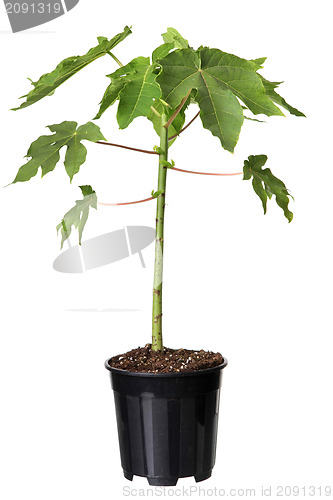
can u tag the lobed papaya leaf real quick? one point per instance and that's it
(45, 151)
(265, 184)
(48, 83)
(77, 216)
(221, 80)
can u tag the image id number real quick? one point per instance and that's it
(33, 8)
(311, 491)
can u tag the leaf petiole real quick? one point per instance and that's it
(116, 59)
(154, 110)
(173, 116)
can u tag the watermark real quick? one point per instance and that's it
(200, 491)
(162, 491)
(105, 249)
(28, 14)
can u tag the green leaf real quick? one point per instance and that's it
(270, 91)
(265, 184)
(167, 164)
(136, 88)
(158, 150)
(162, 51)
(177, 123)
(172, 36)
(259, 62)
(111, 94)
(253, 119)
(77, 216)
(156, 194)
(227, 71)
(182, 72)
(139, 91)
(44, 152)
(220, 79)
(47, 83)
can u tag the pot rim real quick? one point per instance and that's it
(170, 374)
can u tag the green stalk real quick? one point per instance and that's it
(157, 340)
(116, 59)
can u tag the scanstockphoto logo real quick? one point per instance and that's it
(24, 15)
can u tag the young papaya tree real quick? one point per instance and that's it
(226, 88)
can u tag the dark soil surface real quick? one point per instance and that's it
(143, 359)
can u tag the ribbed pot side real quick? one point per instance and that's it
(167, 423)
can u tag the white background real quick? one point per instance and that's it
(254, 287)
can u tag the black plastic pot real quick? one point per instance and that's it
(167, 423)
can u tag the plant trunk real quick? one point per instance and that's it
(157, 340)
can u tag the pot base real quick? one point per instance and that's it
(168, 481)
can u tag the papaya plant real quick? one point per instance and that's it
(226, 88)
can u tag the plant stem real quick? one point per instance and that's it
(157, 340)
(115, 59)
